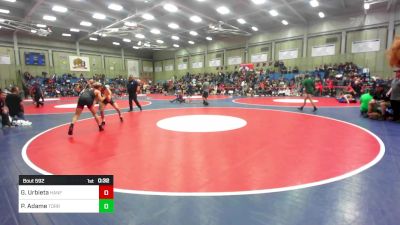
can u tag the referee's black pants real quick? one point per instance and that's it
(134, 98)
(396, 109)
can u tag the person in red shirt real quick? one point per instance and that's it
(329, 83)
(318, 87)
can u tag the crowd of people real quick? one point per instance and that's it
(382, 101)
(345, 81)
(66, 84)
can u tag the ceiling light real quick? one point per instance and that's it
(103, 35)
(321, 14)
(140, 36)
(176, 38)
(148, 16)
(130, 24)
(284, 22)
(366, 6)
(10, 0)
(115, 7)
(93, 39)
(201, 0)
(155, 31)
(209, 38)
(139, 43)
(66, 35)
(241, 21)
(146, 44)
(314, 3)
(176, 46)
(74, 30)
(126, 40)
(254, 28)
(170, 7)
(193, 33)
(135, 47)
(41, 25)
(59, 8)
(223, 10)
(258, 2)
(0, 27)
(173, 26)
(99, 16)
(191, 42)
(160, 41)
(34, 31)
(2, 20)
(86, 23)
(116, 43)
(50, 18)
(114, 29)
(6, 11)
(273, 12)
(195, 19)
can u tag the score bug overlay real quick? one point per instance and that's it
(66, 194)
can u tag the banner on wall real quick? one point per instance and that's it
(323, 50)
(234, 60)
(79, 63)
(365, 46)
(288, 54)
(158, 69)
(169, 68)
(197, 65)
(182, 66)
(133, 68)
(5, 59)
(262, 57)
(147, 69)
(214, 62)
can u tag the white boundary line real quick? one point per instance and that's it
(283, 106)
(263, 191)
(61, 113)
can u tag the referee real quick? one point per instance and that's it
(132, 88)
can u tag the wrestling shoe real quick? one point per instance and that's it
(71, 129)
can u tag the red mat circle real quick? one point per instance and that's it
(275, 151)
(269, 101)
(49, 108)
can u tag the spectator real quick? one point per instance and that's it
(15, 104)
(5, 120)
(394, 93)
(364, 101)
(379, 104)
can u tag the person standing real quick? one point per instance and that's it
(86, 98)
(206, 90)
(308, 85)
(394, 93)
(132, 88)
(37, 95)
(107, 94)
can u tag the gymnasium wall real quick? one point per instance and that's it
(340, 31)
(105, 60)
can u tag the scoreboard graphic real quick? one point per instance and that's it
(66, 194)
